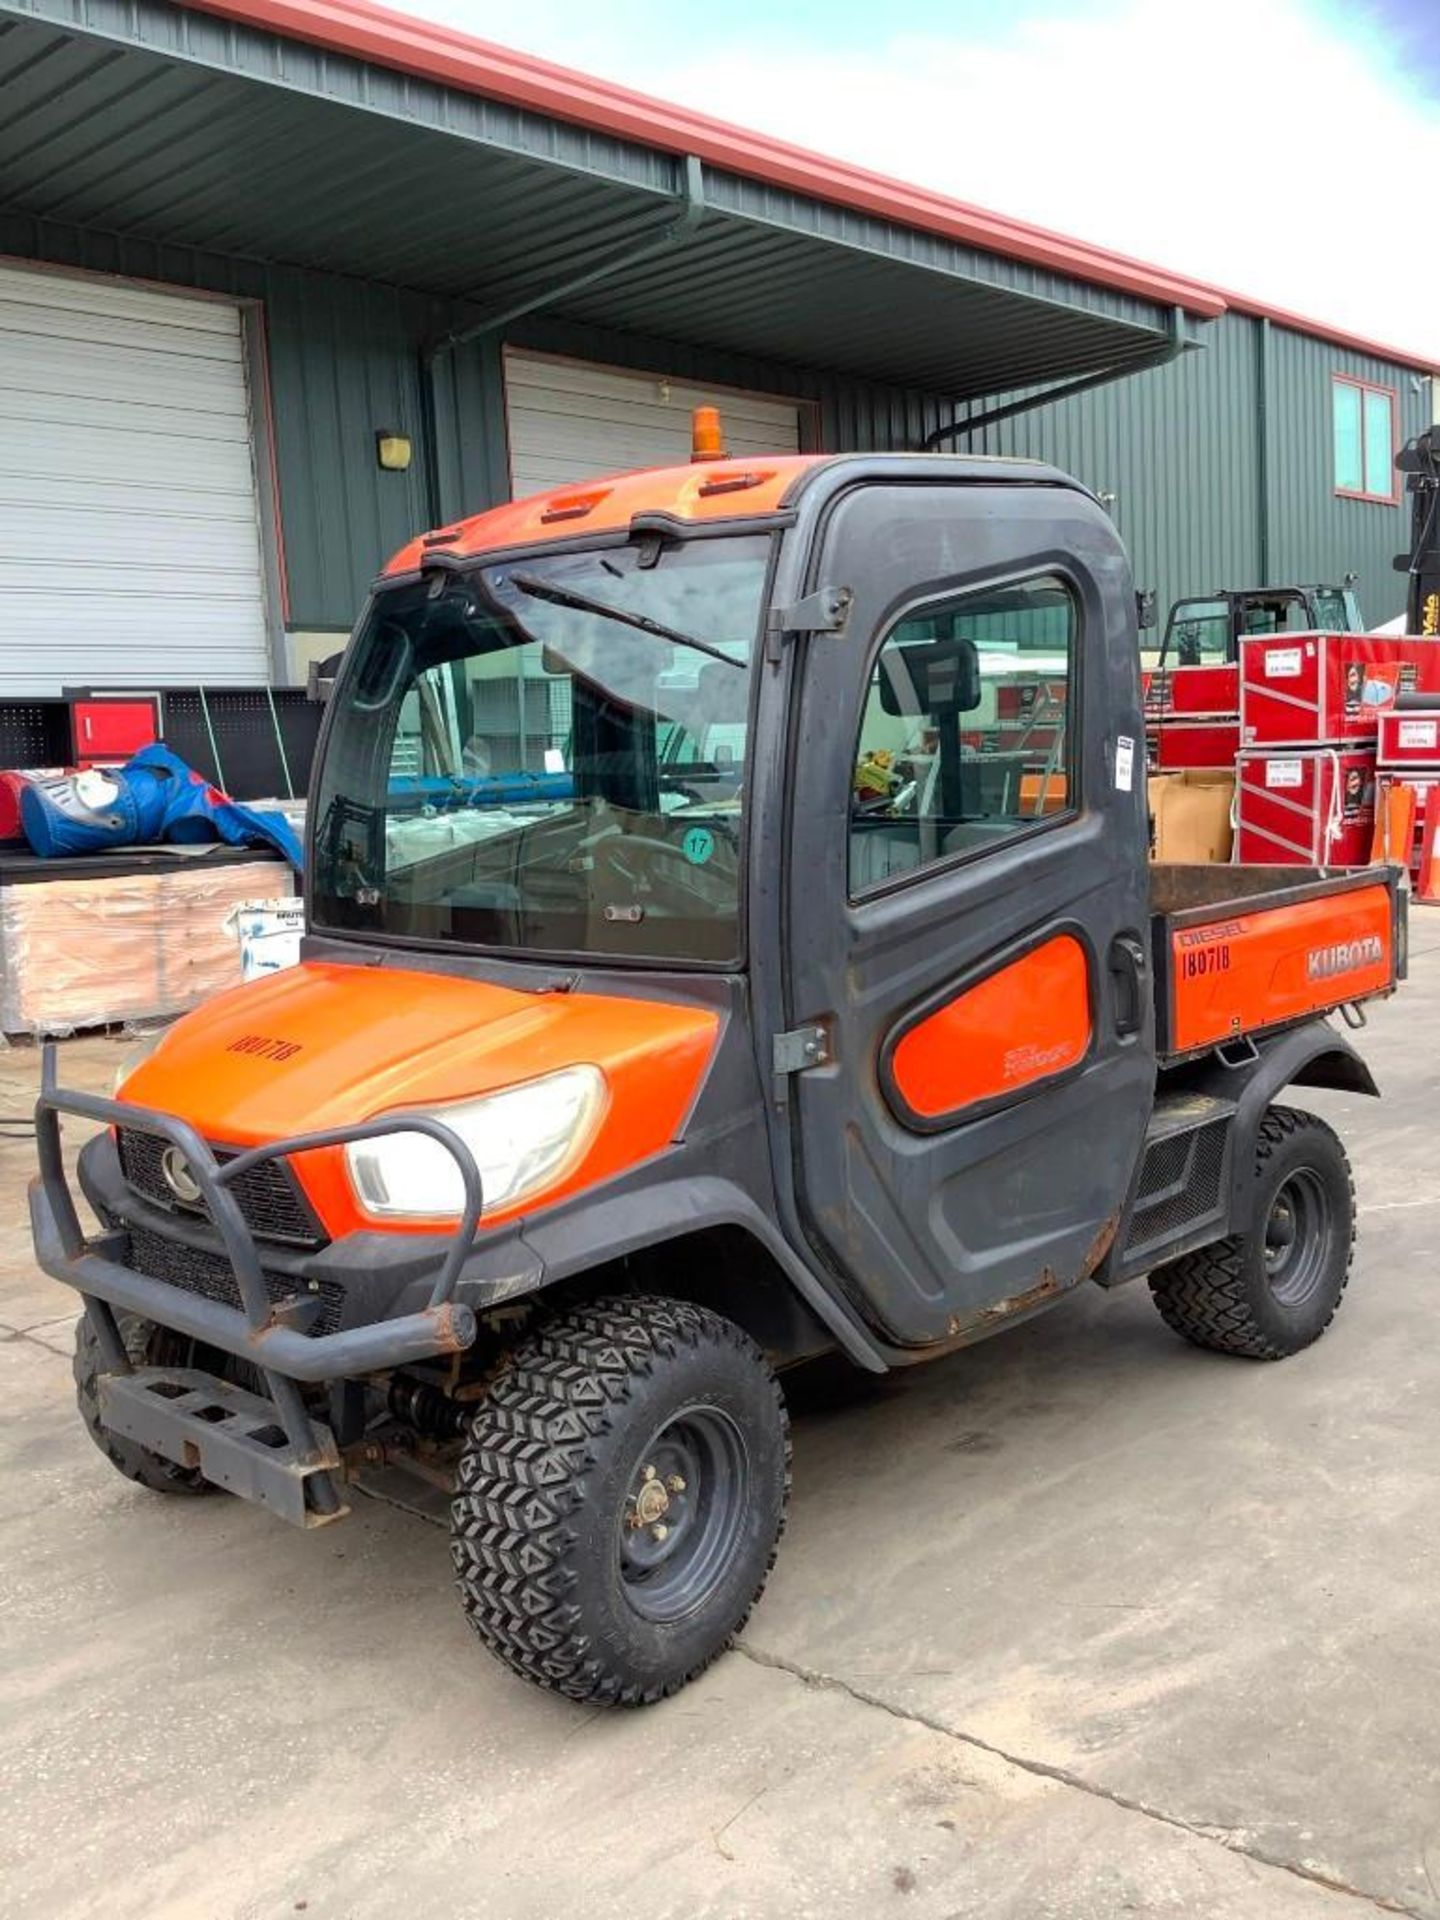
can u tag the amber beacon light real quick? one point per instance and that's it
(707, 438)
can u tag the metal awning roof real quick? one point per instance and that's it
(141, 118)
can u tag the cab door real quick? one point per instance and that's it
(965, 898)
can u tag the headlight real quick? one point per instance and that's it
(134, 1055)
(522, 1138)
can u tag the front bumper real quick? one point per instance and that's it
(299, 1478)
(268, 1333)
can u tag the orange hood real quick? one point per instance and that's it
(324, 1046)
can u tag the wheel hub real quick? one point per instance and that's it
(651, 1502)
(683, 1513)
(1299, 1232)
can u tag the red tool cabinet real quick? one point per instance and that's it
(1190, 745)
(1192, 690)
(1309, 808)
(1306, 689)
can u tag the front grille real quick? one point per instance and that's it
(270, 1199)
(200, 1271)
(1179, 1184)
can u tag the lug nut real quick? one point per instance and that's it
(659, 1531)
(675, 1484)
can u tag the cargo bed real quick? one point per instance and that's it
(1242, 951)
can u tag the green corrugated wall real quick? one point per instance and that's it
(1179, 447)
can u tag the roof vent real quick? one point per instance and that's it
(573, 506)
(734, 482)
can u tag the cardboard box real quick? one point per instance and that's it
(1314, 809)
(1190, 813)
(269, 932)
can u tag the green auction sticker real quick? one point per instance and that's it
(698, 845)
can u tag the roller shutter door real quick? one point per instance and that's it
(130, 546)
(570, 420)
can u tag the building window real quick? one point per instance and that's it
(1364, 419)
(965, 732)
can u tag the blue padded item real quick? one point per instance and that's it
(154, 796)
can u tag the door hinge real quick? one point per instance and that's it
(802, 1047)
(822, 612)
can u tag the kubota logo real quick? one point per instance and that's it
(1323, 963)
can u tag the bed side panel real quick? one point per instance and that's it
(1250, 971)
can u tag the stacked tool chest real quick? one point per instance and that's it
(1311, 709)
(1192, 717)
(1408, 782)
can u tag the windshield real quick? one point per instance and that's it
(548, 756)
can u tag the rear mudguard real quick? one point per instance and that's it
(1314, 1055)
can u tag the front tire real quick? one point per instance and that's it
(620, 1499)
(147, 1346)
(1275, 1290)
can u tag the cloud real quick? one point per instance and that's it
(1261, 144)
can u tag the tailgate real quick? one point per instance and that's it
(1282, 948)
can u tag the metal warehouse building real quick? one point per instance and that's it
(248, 246)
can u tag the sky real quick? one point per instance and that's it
(1284, 149)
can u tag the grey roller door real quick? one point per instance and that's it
(570, 419)
(130, 548)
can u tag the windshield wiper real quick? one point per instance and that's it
(538, 589)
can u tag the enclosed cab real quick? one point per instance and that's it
(730, 940)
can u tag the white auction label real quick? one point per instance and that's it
(1284, 773)
(1419, 733)
(1124, 763)
(1283, 663)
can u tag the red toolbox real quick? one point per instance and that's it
(1315, 808)
(109, 728)
(1192, 690)
(1307, 689)
(1183, 745)
(1409, 739)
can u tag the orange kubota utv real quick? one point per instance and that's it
(730, 939)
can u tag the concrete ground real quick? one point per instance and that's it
(1081, 1622)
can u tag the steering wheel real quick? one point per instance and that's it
(629, 857)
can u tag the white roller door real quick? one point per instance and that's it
(570, 420)
(129, 525)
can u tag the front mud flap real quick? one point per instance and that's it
(233, 1437)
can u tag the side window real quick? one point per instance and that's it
(965, 736)
(1363, 418)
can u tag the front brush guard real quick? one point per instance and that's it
(263, 1332)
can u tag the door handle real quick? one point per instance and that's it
(1129, 980)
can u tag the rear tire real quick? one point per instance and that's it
(147, 1345)
(1275, 1290)
(620, 1499)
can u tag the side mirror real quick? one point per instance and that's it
(938, 678)
(1145, 608)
